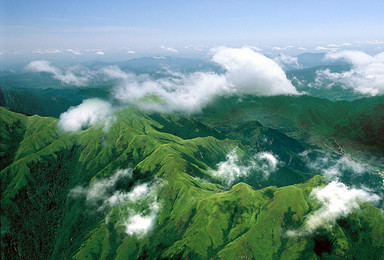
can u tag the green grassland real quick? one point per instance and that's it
(198, 217)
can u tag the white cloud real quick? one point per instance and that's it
(336, 201)
(131, 52)
(182, 92)
(287, 62)
(103, 194)
(282, 48)
(170, 49)
(342, 165)
(100, 53)
(266, 163)
(366, 75)
(49, 51)
(249, 72)
(333, 169)
(76, 52)
(98, 192)
(76, 75)
(90, 112)
(321, 48)
(346, 44)
(140, 224)
(233, 168)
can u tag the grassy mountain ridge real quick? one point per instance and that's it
(344, 126)
(198, 217)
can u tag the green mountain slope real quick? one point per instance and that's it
(92, 194)
(352, 127)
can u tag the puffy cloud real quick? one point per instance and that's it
(366, 75)
(140, 224)
(72, 76)
(90, 112)
(249, 72)
(130, 52)
(336, 201)
(233, 168)
(181, 92)
(100, 53)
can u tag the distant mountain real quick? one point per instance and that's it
(344, 126)
(310, 59)
(151, 65)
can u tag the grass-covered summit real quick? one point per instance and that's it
(152, 186)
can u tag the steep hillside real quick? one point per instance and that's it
(352, 127)
(157, 186)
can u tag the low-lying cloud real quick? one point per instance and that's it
(71, 76)
(287, 62)
(140, 224)
(366, 75)
(104, 195)
(246, 72)
(336, 201)
(333, 169)
(100, 192)
(266, 163)
(233, 168)
(90, 112)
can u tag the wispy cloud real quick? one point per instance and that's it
(76, 75)
(287, 62)
(235, 168)
(246, 72)
(170, 49)
(333, 169)
(336, 201)
(104, 195)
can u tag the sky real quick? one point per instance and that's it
(171, 26)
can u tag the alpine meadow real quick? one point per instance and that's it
(202, 130)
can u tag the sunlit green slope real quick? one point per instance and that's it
(196, 216)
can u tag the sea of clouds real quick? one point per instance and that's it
(246, 72)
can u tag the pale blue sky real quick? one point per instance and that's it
(172, 25)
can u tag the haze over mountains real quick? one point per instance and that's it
(242, 155)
